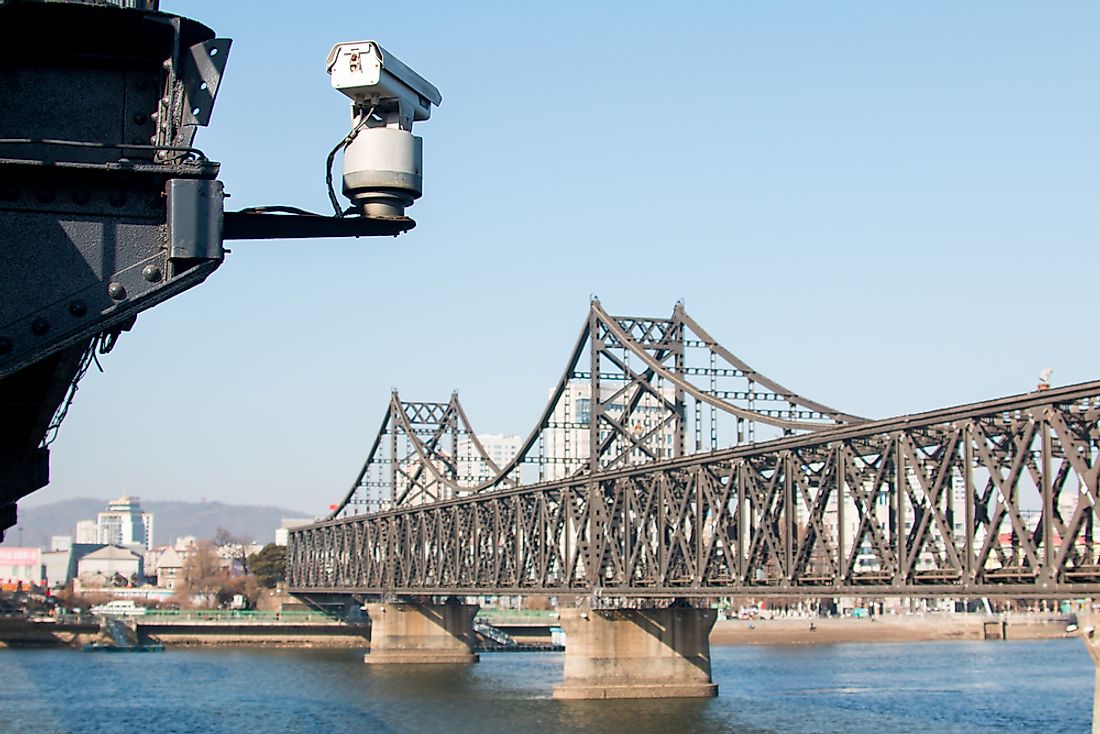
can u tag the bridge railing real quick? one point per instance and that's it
(232, 616)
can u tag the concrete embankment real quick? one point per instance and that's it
(272, 635)
(18, 632)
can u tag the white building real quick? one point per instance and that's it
(60, 566)
(87, 531)
(567, 437)
(101, 567)
(282, 534)
(169, 565)
(882, 509)
(56, 565)
(473, 470)
(124, 523)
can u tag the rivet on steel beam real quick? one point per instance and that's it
(40, 326)
(151, 273)
(116, 291)
(5, 345)
(141, 118)
(78, 308)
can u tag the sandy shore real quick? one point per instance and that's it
(883, 629)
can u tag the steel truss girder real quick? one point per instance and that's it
(991, 499)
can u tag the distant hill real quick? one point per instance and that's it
(170, 520)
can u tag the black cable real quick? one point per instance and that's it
(278, 209)
(332, 157)
(86, 361)
(198, 154)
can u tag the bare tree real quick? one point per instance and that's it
(201, 573)
(238, 545)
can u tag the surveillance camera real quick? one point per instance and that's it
(383, 160)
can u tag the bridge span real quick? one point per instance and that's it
(665, 473)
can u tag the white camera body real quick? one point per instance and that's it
(383, 161)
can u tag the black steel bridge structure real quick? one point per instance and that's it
(664, 467)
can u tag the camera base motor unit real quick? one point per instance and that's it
(383, 160)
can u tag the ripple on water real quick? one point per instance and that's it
(862, 689)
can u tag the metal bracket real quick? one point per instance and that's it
(203, 65)
(248, 225)
(195, 219)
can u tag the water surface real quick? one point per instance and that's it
(1035, 686)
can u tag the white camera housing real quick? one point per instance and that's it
(383, 160)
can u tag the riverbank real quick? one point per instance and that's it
(922, 628)
(800, 631)
(824, 631)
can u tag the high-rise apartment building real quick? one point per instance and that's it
(473, 470)
(124, 523)
(567, 438)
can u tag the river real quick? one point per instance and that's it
(1036, 686)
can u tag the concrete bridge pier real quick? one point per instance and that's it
(637, 653)
(423, 633)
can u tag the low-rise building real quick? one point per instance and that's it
(111, 565)
(60, 566)
(55, 568)
(20, 566)
(168, 567)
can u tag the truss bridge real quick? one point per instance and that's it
(663, 466)
(664, 473)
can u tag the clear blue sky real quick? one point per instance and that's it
(889, 207)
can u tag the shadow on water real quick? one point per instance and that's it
(645, 716)
(437, 682)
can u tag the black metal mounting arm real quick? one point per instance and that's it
(251, 225)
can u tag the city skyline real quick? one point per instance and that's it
(884, 208)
